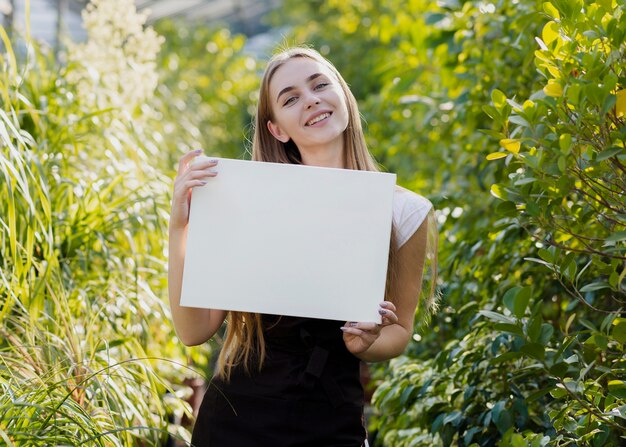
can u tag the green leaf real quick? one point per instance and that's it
(540, 261)
(494, 316)
(546, 333)
(534, 350)
(592, 287)
(546, 255)
(558, 392)
(506, 357)
(510, 328)
(598, 340)
(501, 417)
(518, 440)
(620, 411)
(434, 17)
(519, 120)
(568, 265)
(533, 209)
(516, 300)
(492, 112)
(538, 394)
(616, 237)
(574, 386)
(406, 393)
(525, 181)
(617, 388)
(619, 330)
(507, 208)
(565, 143)
(498, 191)
(610, 152)
(533, 328)
(559, 369)
(452, 418)
(498, 98)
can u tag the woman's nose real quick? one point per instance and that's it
(312, 100)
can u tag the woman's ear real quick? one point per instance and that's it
(277, 132)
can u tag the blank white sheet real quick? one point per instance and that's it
(289, 240)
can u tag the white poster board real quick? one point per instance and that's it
(289, 240)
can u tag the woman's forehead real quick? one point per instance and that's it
(295, 71)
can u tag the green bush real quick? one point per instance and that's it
(566, 188)
(82, 218)
(88, 153)
(528, 347)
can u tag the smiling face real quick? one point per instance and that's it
(309, 107)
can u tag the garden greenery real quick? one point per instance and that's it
(509, 116)
(88, 355)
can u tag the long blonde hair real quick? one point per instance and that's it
(244, 342)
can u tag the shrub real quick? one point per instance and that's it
(528, 348)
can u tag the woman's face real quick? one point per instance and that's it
(308, 105)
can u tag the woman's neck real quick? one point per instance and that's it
(328, 156)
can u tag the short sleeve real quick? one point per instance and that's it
(409, 211)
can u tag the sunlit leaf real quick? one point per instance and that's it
(620, 105)
(551, 10)
(550, 32)
(553, 88)
(496, 155)
(511, 145)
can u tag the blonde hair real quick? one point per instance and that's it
(244, 342)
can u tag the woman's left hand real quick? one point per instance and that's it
(358, 337)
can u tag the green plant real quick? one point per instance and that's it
(527, 347)
(566, 158)
(82, 220)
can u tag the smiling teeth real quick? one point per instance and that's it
(317, 119)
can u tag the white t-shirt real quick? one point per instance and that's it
(409, 211)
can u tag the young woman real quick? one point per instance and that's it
(287, 381)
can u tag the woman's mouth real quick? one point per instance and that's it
(318, 118)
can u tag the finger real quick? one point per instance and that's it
(182, 182)
(198, 174)
(202, 163)
(364, 326)
(352, 330)
(183, 189)
(388, 317)
(388, 305)
(389, 321)
(185, 159)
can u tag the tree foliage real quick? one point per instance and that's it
(509, 116)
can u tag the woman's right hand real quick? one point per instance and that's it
(189, 176)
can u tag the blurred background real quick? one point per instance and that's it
(52, 20)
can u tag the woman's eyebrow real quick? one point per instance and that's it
(287, 89)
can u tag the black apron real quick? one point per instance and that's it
(308, 392)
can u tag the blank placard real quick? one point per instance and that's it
(289, 240)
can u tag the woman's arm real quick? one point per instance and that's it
(193, 326)
(373, 343)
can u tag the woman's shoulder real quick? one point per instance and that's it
(409, 211)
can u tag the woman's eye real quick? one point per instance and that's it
(321, 85)
(289, 100)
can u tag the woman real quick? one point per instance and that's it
(286, 381)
